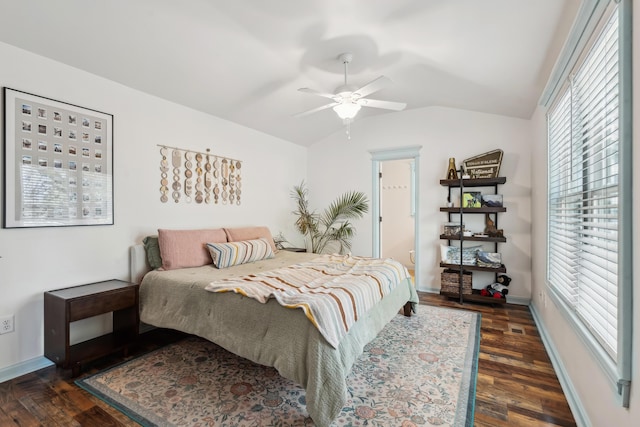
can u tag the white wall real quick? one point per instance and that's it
(594, 392)
(41, 259)
(442, 133)
(397, 235)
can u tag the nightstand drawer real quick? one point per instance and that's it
(104, 303)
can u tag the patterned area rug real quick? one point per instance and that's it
(419, 371)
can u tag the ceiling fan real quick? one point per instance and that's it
(348, 99)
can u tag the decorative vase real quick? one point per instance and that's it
(452, 173)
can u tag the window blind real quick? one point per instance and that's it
(583, 217)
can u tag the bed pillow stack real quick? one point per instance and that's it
(235, 253)
(187, 248)
(172, 249)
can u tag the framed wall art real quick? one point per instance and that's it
(471, 199)
(58, 163)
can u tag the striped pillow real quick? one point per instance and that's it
(234, 253)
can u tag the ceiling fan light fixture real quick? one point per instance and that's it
(347, 110)
(348, 99)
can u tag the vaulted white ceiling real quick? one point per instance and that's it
(243, 60)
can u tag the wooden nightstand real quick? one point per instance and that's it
(63, 306)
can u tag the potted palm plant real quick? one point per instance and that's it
(331, 229)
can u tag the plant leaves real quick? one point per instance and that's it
(333, 225)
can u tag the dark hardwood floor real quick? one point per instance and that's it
(517, 385)
(516, 382)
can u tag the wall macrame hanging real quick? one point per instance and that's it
(199, 177)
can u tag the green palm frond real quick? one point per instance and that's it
(348, 206)
(333, 226)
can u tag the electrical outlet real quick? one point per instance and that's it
(6, 324)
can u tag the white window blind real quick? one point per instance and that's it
(583, 224)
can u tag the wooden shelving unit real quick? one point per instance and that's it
(473, 210)
(476, 297)
(461, 184)
(475, 238)
(466, 267)
(477, 182)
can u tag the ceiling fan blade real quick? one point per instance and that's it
(315, 92)
(373, 86)
(376, 103)
(315, 110)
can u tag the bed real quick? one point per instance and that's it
(265, 333)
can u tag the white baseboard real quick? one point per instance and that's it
(577, 409)
(22, 368)
(32, 365)
(518, 300)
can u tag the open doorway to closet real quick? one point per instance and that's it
(395, 206)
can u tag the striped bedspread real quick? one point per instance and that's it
(333, 290)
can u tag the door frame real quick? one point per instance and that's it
(382, 155)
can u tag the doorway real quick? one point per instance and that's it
(397, 211)
(395, 206)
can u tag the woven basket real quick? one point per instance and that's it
(450, 282)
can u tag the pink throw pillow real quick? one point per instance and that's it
(187, 248)
(239, 234)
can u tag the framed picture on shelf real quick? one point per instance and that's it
(453, 229)
(492, 200)
(43, 154)
(489, 259)
(471, 199)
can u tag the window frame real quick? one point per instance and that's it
(590, 18)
